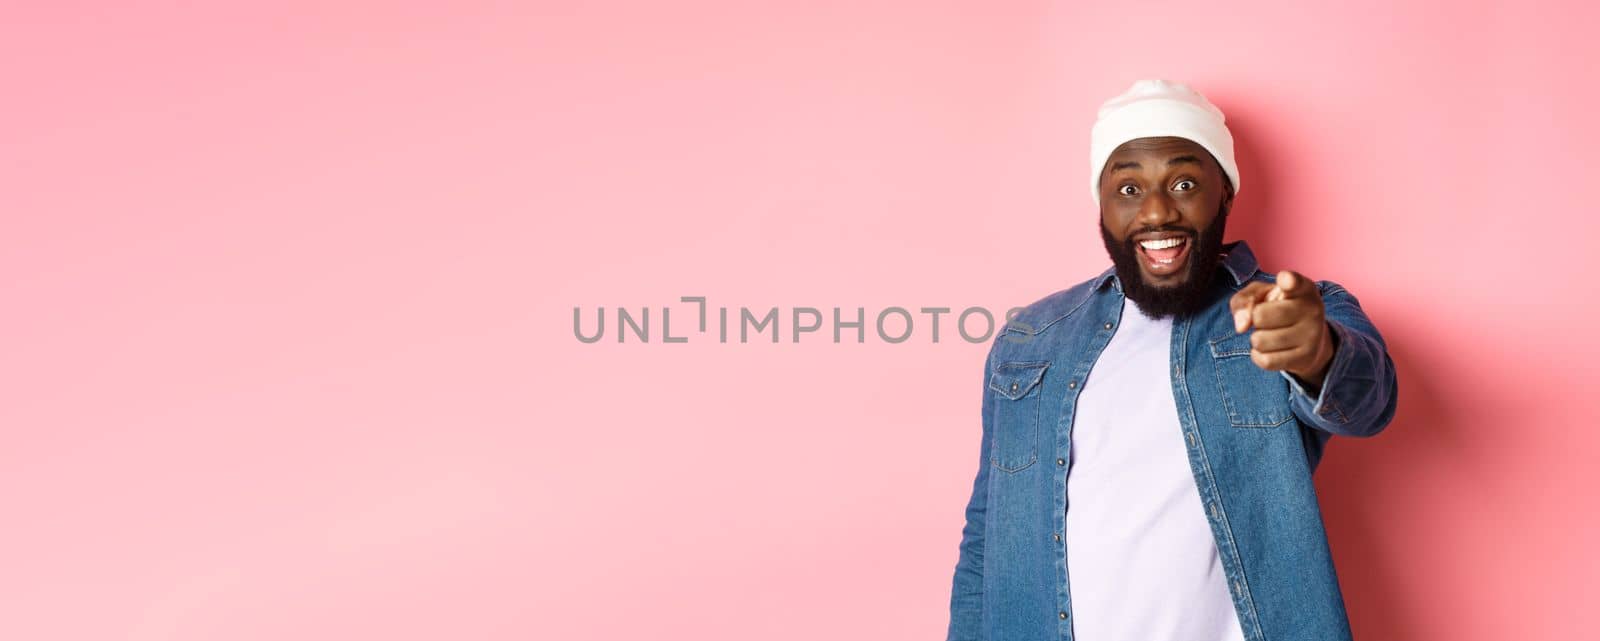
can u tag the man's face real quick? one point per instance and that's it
(1163, 208)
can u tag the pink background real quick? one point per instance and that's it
(288, 349)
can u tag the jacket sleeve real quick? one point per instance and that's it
(966, 592)
(1359, 394)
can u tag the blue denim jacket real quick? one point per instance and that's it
(1254, 437)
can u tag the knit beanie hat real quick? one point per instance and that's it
(1153, 108)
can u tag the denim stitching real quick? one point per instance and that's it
(1234, 418)
(1211, 483)
(1034, 389)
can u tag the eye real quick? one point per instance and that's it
(1127, 190)
(1184, 185)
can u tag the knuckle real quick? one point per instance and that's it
(1304, 353)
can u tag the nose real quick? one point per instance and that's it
(1158, 209)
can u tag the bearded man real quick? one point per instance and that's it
(1149, 434)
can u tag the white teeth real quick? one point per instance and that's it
(1161, 244)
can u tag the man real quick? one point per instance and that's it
(1149, 435)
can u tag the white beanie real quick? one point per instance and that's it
(1153, 108)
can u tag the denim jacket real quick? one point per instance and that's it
(1254, 437)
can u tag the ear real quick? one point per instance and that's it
(1227, 196)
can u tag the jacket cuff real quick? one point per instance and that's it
(1324, 405)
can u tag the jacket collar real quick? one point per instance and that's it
(1236, 258)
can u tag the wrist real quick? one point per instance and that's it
(1313, 377)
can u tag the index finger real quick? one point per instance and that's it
(1291, 284)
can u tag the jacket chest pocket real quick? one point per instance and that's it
(1253, 397)
(1018, 413)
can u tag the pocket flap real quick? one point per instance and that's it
(1015, 380)
(1252, 396)
(1231, 345)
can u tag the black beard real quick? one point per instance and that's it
(1185, 298)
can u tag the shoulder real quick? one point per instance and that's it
(1042, 314)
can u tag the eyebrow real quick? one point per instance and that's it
(1175, 160)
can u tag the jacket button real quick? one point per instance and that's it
(1072, 385)
(1061, 461)
(1108, 325)
(1013, 387)
(1056, 536)
(1063, 616)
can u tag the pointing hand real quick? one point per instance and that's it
(1291, 332)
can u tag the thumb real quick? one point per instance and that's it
(1243, 314)
(1244, 300)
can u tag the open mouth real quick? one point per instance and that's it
(1164, 256)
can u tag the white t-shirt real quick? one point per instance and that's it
(1141, 561)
